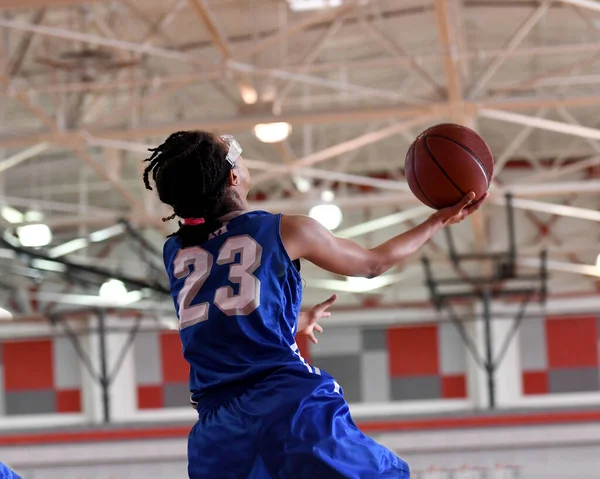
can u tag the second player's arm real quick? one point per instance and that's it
(304, 237)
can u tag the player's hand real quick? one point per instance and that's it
(314, 314)
(457, 213)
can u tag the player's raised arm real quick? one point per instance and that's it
(304, 237)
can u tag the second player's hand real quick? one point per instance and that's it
(457, 213)
(308, 321)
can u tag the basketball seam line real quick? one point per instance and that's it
(475, 157)
(442, 169)
(414, 149)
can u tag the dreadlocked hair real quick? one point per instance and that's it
(186, 170)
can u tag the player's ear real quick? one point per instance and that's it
(234, 177)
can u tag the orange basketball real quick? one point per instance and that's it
(447, 161)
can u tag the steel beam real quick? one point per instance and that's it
(321, 16)
(22, 156)
(541, 123)
(398, 52)
(226, 125)
(220, 41)
(389, 95)
(515, 144)
(554, 209)
(588, 4)
(513, 43)
(446, 35)
(101, 41)
(549, 174)
(561, 266)
(346, 147)
(309, 58)
(383, 222)
(22, 4)
(214, 72)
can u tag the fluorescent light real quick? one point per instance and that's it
(303, 5)
(68, 247)
(131, 297)
(34, 216)
(113, 290)
(249, 94)
(328, 215)
(34, 236)
(5, 315)
(80, 243)
(365, 284)
(48, 265)
(106, 233)
(272, 132)
(361, 285)
(11, 215)
(327, 196)
(302, 184)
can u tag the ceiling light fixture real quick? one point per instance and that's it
(113, 290)
(33, 216)
(304, 5)
(11, 215)
(328, 215)
(34, 235)
(249, 94)
(272, 132)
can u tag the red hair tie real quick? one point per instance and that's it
(193, 221)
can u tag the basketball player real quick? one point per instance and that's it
(7, 473)
(263, 412)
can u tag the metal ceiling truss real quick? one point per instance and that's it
(405, 91)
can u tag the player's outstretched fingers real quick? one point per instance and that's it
(318, 328)
(327, 303)
(467, 200)
(475, 206)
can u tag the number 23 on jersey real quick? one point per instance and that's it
(241, 272)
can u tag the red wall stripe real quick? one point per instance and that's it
(150, 397)
(413, 351)
(509, 420)
(175, 369)
(68, 401)
(535, 382)
(572, 342)
(454, 387)
(28, 365)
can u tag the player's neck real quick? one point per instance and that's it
(237, 206)
(231, 215)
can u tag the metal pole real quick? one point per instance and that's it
(104, 379)
(451, 247)
(489, 360)
(544, 276)
(512, 239)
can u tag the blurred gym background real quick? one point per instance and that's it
(477, 358)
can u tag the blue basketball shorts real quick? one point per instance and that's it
(291, 425)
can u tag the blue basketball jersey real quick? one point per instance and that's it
(7, 473)
(237, 297)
